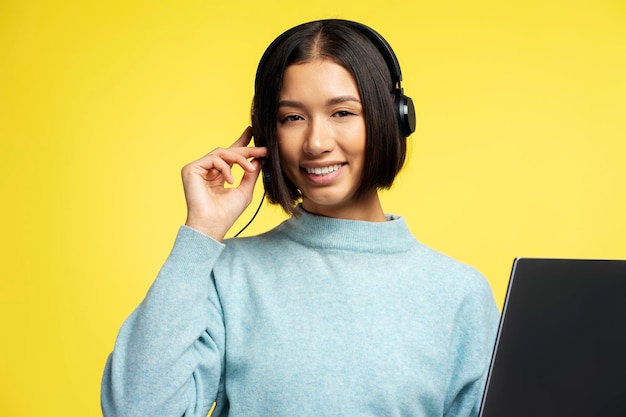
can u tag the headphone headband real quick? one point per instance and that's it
(384, 48)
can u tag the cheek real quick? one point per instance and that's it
(355, 138)
(356, 145)
(287, 150)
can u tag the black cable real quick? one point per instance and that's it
(255, 213)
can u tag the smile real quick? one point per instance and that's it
(323, 170)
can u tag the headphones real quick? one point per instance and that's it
(404, 108)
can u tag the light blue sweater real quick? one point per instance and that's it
(317, 317)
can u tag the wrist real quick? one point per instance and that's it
(216, 233)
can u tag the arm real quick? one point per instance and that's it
(476, 327)
(168, 357)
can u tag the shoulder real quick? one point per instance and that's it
(447, 268)
(253, 250)
(271, 237)
(449, 280)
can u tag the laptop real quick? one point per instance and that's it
(561, 345)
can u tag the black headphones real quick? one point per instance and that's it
(404, 108)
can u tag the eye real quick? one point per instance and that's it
(343, 113)
(290, 118)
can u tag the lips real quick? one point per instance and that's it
(322, 175)
(323, 170)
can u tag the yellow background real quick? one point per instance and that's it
(519, 150)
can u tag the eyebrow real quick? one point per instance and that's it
(329, 102)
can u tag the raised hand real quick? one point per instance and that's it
(213, 208)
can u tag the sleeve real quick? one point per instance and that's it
(476, 327)
(169, 354)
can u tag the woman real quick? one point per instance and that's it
(338, 311)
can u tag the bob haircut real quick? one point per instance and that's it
(344, 44)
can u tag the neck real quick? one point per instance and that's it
(367, 208)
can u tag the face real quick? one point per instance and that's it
(321, 137)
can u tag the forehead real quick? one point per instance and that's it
(318, 77)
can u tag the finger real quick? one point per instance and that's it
(223, 168)
(244, 139)
(209, 168)
(241, 156)
(250, 178)
(229, 156)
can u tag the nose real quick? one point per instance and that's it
(318, 139)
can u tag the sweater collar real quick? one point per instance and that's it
(355, 235)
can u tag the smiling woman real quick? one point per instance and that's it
(366, 70)
(337, 311)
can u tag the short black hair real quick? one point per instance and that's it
(344, 44)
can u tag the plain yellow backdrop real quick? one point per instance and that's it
(519, 150)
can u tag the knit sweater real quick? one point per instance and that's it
(317, 317)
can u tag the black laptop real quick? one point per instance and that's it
(561, 346)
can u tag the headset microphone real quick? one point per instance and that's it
(266, 177)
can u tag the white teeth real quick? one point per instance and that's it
(323, 170)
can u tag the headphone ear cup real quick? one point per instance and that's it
(405, 111)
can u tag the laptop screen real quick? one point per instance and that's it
(561, 347)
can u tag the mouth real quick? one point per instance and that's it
(323, 170)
